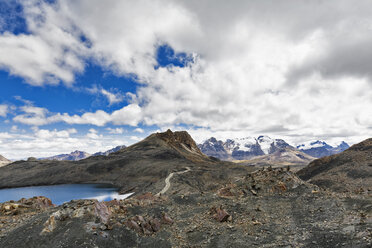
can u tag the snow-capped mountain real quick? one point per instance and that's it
(106, 153)
(320, 148)
(242, 148)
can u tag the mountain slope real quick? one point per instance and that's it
(350, 170)
(4, 161)
(142, 166)
(320, 149)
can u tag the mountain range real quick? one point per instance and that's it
(250, 147)
(79, 155)
(320, 149)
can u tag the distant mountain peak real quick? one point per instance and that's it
(73, 156)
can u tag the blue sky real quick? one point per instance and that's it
(91, 75)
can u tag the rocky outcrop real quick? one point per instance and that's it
(350, 170)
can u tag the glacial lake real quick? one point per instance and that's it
(63, 193)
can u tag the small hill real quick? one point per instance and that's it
(4, 161)
(350, 170)
(287, 156)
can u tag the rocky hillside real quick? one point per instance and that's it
(320, 149)
(242, 149)
(4, 161)
(348, 171)
(283, 157)
(142, 166)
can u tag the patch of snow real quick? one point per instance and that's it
(265, 143)
(311, 144)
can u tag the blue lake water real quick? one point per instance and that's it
(63, 193)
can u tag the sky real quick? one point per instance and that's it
(90, 75)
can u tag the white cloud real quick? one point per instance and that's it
(3, 110)
(115, 130)
(37, 116)
(45, 143)
(111, 97)
(139, 130)
(245, 55)
(135, 138)
(93, 134)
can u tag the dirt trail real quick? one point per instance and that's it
(167, 181)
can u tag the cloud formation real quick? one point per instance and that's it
(3, 110)
(285, 69)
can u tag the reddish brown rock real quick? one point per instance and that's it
(220, 214)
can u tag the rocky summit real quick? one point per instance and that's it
(184, 198)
